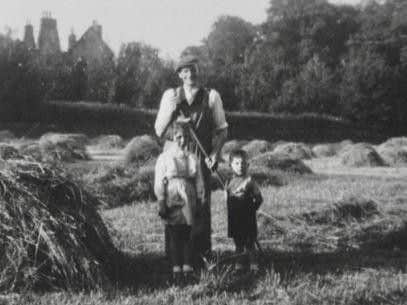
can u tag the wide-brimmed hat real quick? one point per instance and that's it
(186, 61)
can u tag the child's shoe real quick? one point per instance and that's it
(189, 277)
(177, 278)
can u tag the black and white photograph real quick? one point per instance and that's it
(203, 152)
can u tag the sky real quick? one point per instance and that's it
(169, 25)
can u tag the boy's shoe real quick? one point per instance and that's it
(177, 278)
(190, 278)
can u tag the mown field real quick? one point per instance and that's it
(337, 235)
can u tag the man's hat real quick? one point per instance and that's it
(186, 61)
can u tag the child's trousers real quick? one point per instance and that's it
(180, 245)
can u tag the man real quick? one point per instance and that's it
(203, 109)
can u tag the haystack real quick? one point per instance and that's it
(63, 147)
(256, 147)
(361, 154)
(345, 210)
(324, 150)
(262, 175)
(281, 162)
(122, 184)
(108, 142)
(397, 141)
(51, 234)
(141, 149)
(9, 152)
(6, 135)
(393, 155)
(294, 150)
(230, 146)
(31, 150)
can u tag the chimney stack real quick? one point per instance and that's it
(97, 28)
(71, 40)
(48, 39)
(29, 36)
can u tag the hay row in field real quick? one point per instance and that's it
(349, 224)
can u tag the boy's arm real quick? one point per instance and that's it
(256, 194)
(160, 184)
(199, 183)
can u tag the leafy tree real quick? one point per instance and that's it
(141, 75)
(369, 89)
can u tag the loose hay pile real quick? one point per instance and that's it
(280, 162)
(108, 142)
(256, 147)
(294, 150)
(351, 223)
(118, 184)
(324, 150)
(230, 146)
(141, 149)
(9, 152)
(63, 147)
(393, 155)
(358, 155)
(51, 234)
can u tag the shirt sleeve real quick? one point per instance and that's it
(159, 175)
(165, 112)
(200, 189)
(257, 197)
(216, 104)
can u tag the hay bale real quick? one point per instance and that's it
(141, 149)
(294, 150)
(9, 152)
(392, 155)
(51, 234)
(262, 175)
(361, 154)
(397, 141)
(63, 147)
(256, 147)
(122, 184)
(324, 150)
(108, 142)
(31, 150)
(6, 135)
(281, 162)
(230, 146)
(345, 210)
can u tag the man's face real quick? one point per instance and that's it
(189, 75)
(239, 166)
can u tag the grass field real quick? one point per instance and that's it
(316, 251)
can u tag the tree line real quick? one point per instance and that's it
(309, 56)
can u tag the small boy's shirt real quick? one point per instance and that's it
(243, 199)
(242, 186)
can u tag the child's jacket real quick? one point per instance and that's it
(178, 181)
(243, 200)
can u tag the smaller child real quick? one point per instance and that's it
(178, 186)
(243, 200)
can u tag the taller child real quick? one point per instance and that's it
(204, 108)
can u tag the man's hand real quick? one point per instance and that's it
(162, 209)
(212, 162)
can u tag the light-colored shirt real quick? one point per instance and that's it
(168, 105)
(178, 180)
